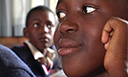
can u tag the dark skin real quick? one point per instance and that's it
(41, 26)
(90, 38)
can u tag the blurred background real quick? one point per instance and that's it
(12, 19)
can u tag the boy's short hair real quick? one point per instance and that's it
(41, 8)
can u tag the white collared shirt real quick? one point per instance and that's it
(37, 54)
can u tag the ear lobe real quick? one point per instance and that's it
(25, 32)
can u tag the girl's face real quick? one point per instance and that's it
(78, 35)
(41, 26)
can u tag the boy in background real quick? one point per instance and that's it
(37, 52)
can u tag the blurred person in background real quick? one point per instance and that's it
(38, 52)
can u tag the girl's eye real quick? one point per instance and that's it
(61, 14)
(88, 9)
(36, 25)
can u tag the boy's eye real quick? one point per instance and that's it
(61, 14)
(88, 9)
(49, 26)
(36, 25)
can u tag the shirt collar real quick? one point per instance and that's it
(36, 53)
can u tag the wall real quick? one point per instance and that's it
(11, 41)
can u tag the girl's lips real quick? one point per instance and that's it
(67, 51)
(68, 46)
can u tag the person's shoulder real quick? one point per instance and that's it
(16, 47)
(8, 56)
(19, 48)
(11, 65)
(22, 51)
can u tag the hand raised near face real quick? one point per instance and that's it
(114, 37)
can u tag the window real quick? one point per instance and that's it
(13, 14)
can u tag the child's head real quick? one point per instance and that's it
(40, 26)
(78, 35)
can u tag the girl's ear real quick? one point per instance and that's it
(25, 32)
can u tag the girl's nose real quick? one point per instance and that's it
(68, 26)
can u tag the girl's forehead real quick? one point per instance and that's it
(59, 1)
(93, 2)
(77, 1)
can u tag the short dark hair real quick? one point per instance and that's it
(42, 8)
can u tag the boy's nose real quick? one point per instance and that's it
(68, 26)
(45, 29)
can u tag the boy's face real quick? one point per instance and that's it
(78, 36)
(41, 26)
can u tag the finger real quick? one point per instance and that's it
(112, 26)
(105, 36)
(107, 31)
(107, 44)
